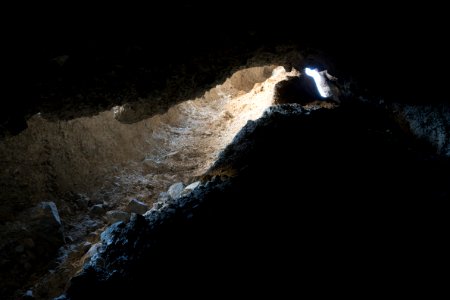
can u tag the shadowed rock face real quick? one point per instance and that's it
(322, 198)
(29, 244)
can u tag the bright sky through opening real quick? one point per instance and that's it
(319, 80)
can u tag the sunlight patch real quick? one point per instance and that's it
(321, 82)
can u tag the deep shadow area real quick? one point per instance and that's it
(298, 89)
(331, 201)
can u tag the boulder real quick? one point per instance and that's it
(114, 216)
(28, 295)
(95, 201)
(137, 207)
(164, 197)
(188, 189)
(45, 226)
(175, 190)
(97, 209)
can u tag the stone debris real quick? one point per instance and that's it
(93, 249)
(188, 189)
(97, 209)
(46, 224)
(114, 216)
(137, 207)
(28, 295)
(164, 197)
(175, 190)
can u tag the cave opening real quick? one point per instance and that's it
(310, 88)
(90, 169)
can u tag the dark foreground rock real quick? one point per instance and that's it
(330, 201)
(431, 123)
(28, 245)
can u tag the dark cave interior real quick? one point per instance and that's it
(340, 194)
